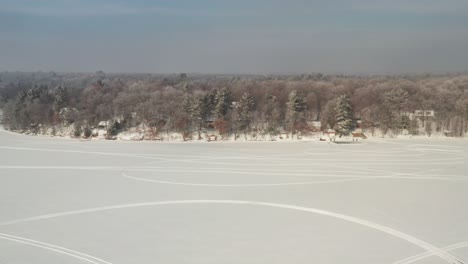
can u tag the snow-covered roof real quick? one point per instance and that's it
(104, 123)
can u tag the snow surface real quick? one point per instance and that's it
(378, 201)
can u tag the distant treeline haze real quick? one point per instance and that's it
(234, 105)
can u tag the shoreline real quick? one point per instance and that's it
(230, 140)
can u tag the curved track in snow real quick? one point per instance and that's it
(406, 237)
(65, 251)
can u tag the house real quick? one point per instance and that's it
(421, 116)
(359, 123)
(212, 137)
(424, 113)
(315, 125)
(210, 123)
(449, 133)
(418, 113)
(330, 133)
(104, 124)
(358, 135)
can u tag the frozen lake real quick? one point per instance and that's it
(382, 201)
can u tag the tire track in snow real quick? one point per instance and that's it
(156, 157)
(349, 179)
(50, 247)
(424, 255)
(240, 185)
(390, 231)
(367, 175)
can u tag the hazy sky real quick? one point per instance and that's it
(237, 36)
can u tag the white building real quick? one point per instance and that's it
(424, 113)
(419, 113)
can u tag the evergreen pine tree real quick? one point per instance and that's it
(187, 100)
(244, 109)
(294, 107)
(197, 113)
(222, 103)
(60, 98)
(271, 113)
(344, 115)
(394, 102)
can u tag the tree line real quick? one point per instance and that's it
(234, 104)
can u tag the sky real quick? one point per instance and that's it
(237, 36)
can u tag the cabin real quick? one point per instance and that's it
(424, 113)
(449, 134)
(315, 126)
(210, 123)
(104, 124)
(418, 113)
(359, 123)
(358, 136)
(329, 132)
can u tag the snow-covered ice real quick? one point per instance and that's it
(380, 201)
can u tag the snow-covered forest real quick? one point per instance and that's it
(196, 105)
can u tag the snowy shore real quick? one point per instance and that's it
(172, 137)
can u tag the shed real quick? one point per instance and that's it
(449, 134)
(358, 135)
(104, 124)
(329, 132)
